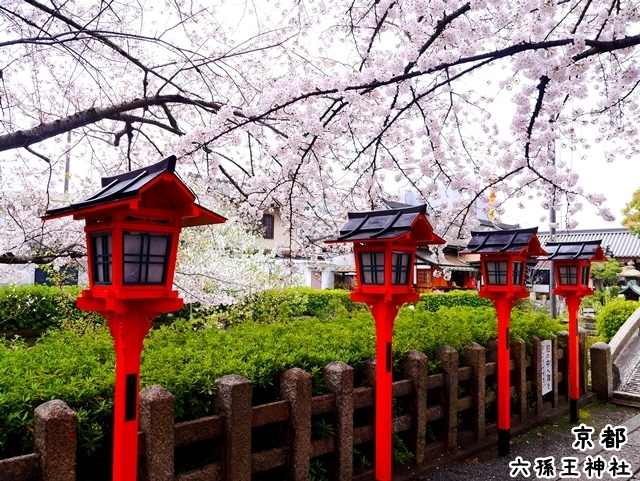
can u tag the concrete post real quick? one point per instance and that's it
(55, 440)
(518, 354)
(157, 423)
(233, 398)
(338, 377)
(416, 368)
(295, 387)
(554, 367)
(602, 371)
(563, 339)
(536, 364)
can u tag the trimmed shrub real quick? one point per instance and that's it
(458, 298)
(613, 315)
(37, 306)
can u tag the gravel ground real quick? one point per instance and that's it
(553, 439)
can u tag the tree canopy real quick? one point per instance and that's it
(313, 107)
(631, 214)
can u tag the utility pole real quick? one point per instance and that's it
(67, 164)
(553, 301)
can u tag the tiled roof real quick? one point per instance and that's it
(122, 186)
(617, 241)
(384, 224)
(512, 241)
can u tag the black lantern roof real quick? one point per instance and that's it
(120, 187)
(386, 225)
(586, 250)
(517, 241)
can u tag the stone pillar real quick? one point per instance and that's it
(157, 423)
(475, 356)
(448, 357)
(563, 339)
(233, 399)
(518, 355)
(536, 364)
(295, 387)
(602, 371)
(416, 368)
(583, 362)
(554, 370)
(55, 440)
(338, 377)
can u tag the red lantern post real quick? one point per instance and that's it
(132, 226)
(384, 245)
(572, 265)
(503, 258)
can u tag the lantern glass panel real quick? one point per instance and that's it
(518, 273)
(568, 275)
(145, 257)
(372, 268)
(585, 275)
(400, 268)
(496, 273)
(102, 258)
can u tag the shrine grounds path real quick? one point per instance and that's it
(553, 439)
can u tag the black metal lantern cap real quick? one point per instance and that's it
(571, 251)
(572, 263)
(503, 256)
(387, 225)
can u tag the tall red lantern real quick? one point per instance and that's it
(503, 258)
(572, 265)
(384, 247)
(132, 226)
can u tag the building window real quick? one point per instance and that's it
(267, 224)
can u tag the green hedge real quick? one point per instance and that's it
(79, 368)
(37, 306)
(613, 315)
(457, 298)
(278, 305)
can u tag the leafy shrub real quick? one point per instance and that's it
(613, 315)
(433, 302)
(37, 306)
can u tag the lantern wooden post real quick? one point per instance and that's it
(385, 243)
(503, 259)
(132, 225)
(572, 264)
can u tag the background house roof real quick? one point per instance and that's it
(619, 241)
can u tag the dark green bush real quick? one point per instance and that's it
(458, 298)
(613, 315)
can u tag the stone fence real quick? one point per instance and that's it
(434, 414)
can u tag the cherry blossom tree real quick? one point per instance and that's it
(314, 107)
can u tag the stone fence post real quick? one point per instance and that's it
(416, 369)
(233, 398)
(602, 371)
(448, 356)
(55, 440)
(338, 377)
(475, 356)
(295, 387)
(157, 423)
